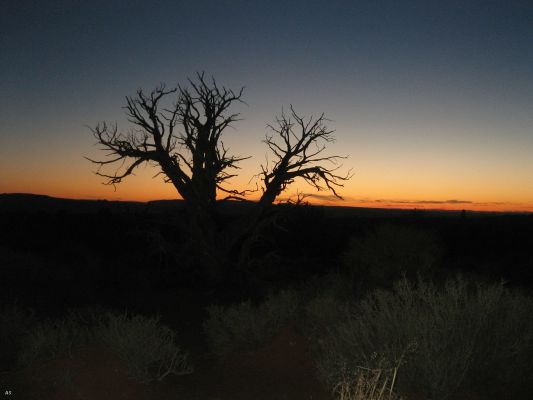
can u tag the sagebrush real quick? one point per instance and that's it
(246, 326)
(148, 347)
(456, 328)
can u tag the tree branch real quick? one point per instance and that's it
(290, 142)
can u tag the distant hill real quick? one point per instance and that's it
(35, 203)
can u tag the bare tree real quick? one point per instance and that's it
(193, 158)
(297, 145)
(185, 141)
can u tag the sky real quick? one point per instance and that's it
(432, 101)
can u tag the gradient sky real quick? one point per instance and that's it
(431, 100)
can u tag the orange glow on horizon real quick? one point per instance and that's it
(347, 202)
(364, 190)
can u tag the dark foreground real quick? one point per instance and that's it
(127, 257)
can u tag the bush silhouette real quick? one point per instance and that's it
(387, 253)
(148, 347)
(246, 326)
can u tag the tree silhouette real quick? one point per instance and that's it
(297, 145)
(185, 141)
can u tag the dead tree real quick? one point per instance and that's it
(184, 140)
(297, 145)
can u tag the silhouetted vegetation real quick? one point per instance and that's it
(81, 286)
(147, 347)
(246, 326)
(185, 141)
(389, 252)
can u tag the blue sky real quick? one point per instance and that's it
(432, 100)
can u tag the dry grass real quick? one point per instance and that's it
(367, 384)
(378, 383)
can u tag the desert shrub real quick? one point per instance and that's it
(321, 313)
(15, 324)
(59, 337)
(246, 326)
(324, 300)
(147, 347)
(504, 355)
(385, 254)
(452, 327)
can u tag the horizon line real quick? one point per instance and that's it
(369, 204)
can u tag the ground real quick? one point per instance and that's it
(283, 369)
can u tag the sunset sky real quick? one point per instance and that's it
(431, 100)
